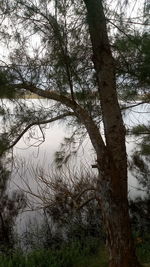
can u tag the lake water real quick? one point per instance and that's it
(29, 154)
(43, 155)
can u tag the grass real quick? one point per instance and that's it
(74, 255)
(143, 252)
(100, 259)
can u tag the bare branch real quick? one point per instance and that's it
(86, 202)
(135, 105)
(84, 191)
(37, 123)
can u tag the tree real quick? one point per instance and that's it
(75, 64)
(10, 206)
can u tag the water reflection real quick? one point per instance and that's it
(33, 153)
(43, 155)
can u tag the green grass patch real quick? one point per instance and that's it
(89, 254)
(72, 255)
(143, 252)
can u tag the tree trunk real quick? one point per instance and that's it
(112, 183)
(114, 206)
(112, 197)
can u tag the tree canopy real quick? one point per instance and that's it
(84, 56)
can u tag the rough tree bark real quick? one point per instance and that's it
(113, 171)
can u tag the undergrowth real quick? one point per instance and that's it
(75, 254)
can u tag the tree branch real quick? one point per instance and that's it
(37, 123)
(52, 21)
(85, 203)
(135, 105)
(84, 191)
(79, 112)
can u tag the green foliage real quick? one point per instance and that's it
(73, 254)
(140, 168)
(10, 205)
(140, 216)
(140, 165)
(63, 64)
(73, 207)
(6, 81)
(4, 142)
(143, 249)
(133, 64)
(140, 129)
(145, 147)
(4, 176)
